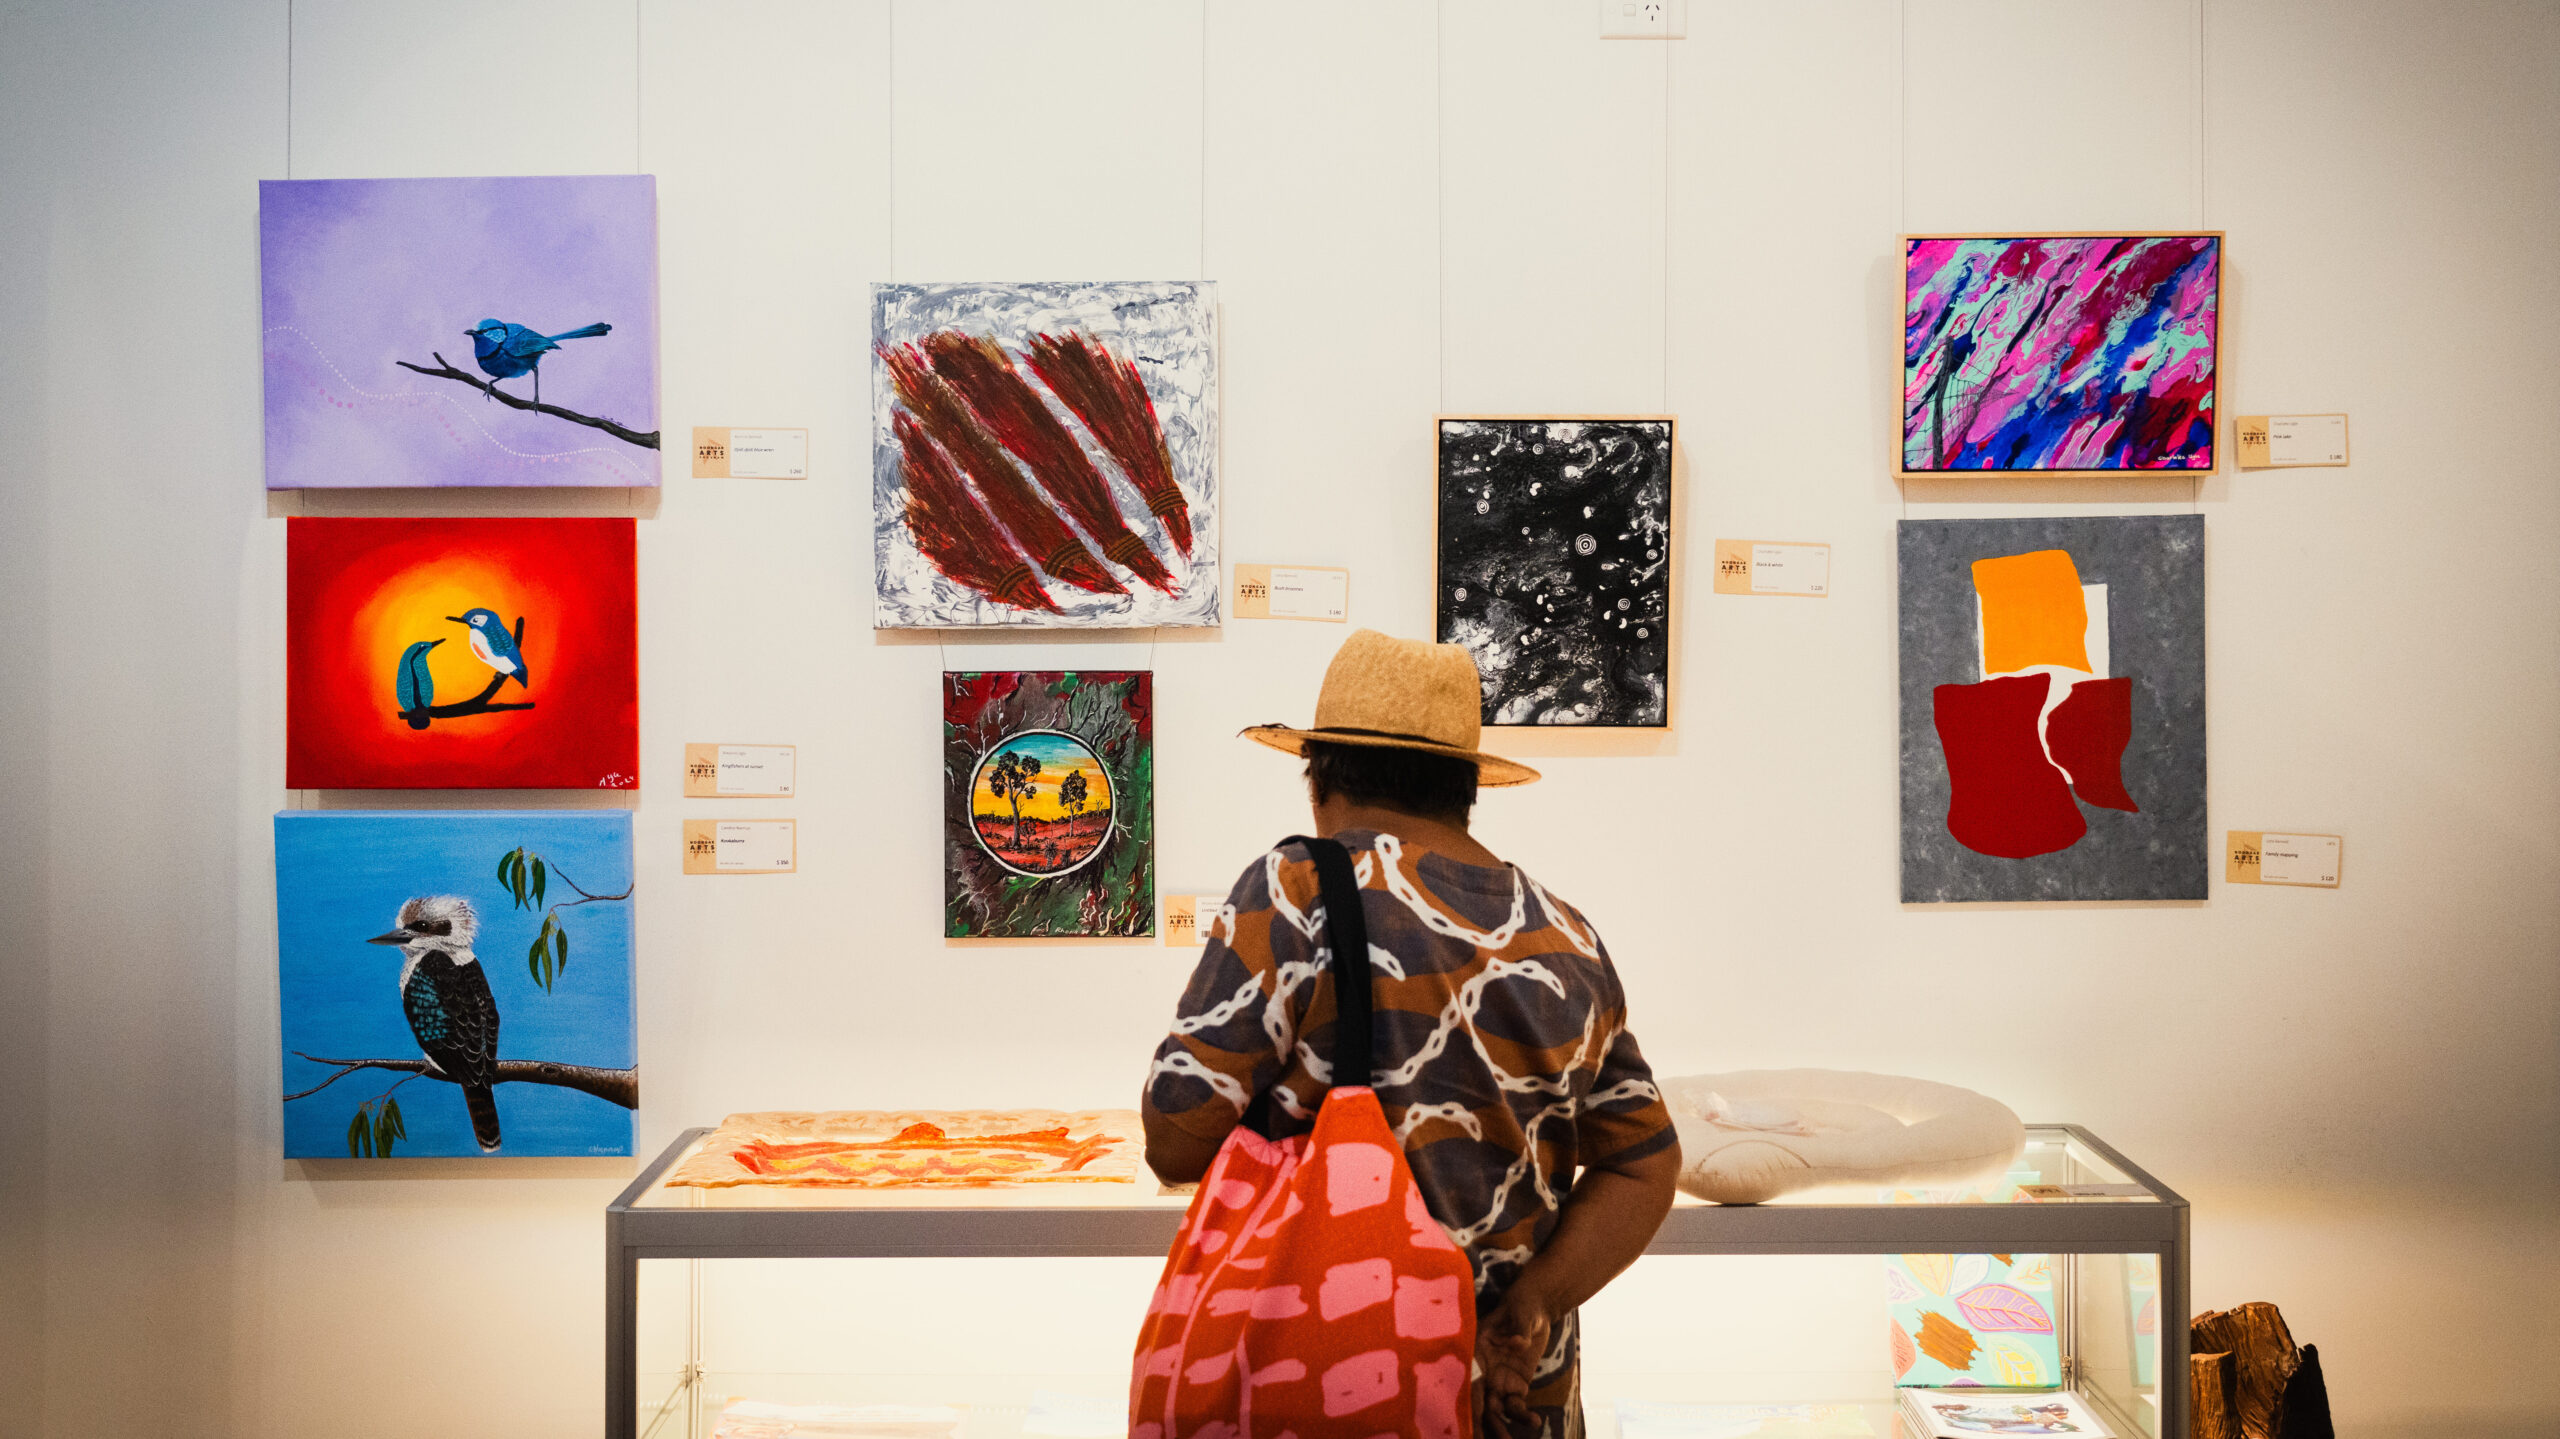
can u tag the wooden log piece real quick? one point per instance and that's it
(2212, 1378)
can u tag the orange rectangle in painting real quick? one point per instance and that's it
(2032, 612)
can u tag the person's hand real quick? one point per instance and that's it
(1509, 1343)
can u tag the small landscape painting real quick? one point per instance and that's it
(1049, 804)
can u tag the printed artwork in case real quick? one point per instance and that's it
(1973, 1319)
(455, 983)
(499, 331)
(1045, 455)
(2059, 353)
(461, 654)
(1048, 803)
(2053, 741)
(1554, 566)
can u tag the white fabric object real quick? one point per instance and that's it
(1755, 1134)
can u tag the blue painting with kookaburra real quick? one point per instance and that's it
(455, 983)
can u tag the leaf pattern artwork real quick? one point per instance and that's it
(1946, 1341)
(1975, 1320)
(2003, 1308)
(1932, 1270)
(2015, 1366)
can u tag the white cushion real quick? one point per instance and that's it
(1755, 1134)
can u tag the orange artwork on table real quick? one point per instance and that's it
(923, 1153)
(2033, 612)
(918, 1149)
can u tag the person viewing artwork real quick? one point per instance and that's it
(1502, 1057)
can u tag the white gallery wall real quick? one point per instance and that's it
(1408, 207)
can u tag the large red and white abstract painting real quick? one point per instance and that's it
(1044, 455)
(2053, 738)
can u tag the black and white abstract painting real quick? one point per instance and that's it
(1555, 566)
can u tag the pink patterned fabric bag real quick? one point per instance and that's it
(1310, 1293)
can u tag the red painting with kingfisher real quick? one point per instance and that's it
(461, 654)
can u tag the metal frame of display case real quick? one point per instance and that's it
(633, 1233)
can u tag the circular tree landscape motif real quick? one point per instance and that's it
(1040, 802)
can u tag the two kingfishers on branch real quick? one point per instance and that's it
(494, 644)
(506, 350)
(448, 1002)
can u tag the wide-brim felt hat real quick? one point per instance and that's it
(1381, 692)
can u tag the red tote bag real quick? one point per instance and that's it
(1310, 1293)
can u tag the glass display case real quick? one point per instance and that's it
(1018, 1306)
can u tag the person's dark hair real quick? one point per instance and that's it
(1436, 786)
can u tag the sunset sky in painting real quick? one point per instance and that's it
(1057, 754)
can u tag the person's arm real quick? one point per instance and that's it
(1609, 1217)
(1219, 1054)
(1177, 1155)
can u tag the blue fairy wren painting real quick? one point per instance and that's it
(455, 983)
(440, 332)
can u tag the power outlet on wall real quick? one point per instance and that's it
(1644, 19)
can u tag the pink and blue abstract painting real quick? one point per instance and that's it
(2059, 352)
(498, 331)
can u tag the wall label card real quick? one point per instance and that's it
(1765, 567)
(2279, 442)
(2264, 857)
(728, 454)
(741, 846)
(1293, 592)
(1182, 919)
(740, 771)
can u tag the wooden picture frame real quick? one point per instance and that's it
(1453, 602)
(2210, 414)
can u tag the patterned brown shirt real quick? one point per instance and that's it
(1503, 1057)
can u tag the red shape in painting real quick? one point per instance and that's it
(461, 654)
(2088, 732)
(2008, 800)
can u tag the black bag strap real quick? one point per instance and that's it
(1347, 930)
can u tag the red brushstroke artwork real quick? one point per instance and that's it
(1018, 507)
(2008, 799)
(1107, 394)
(966, 414)
(2088, 733)
(980, 370)
(955, 532)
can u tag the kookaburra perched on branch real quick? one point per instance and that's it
(448, 1002)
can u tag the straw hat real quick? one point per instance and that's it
(1388, 693)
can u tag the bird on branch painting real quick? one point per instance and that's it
(495, 645)
(447, 999)
(507, 350)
